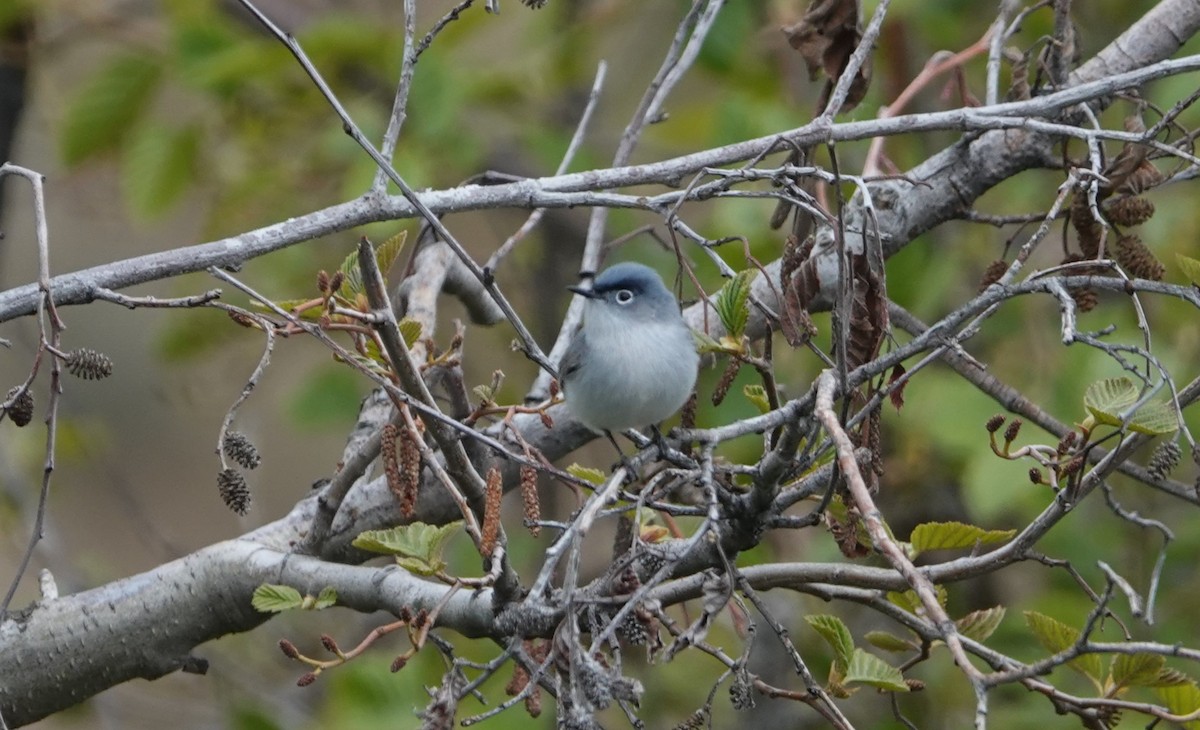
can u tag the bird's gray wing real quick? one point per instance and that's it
(571, 359)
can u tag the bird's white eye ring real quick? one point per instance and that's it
(624, 296)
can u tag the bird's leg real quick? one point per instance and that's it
(661, 442)
(630, 471)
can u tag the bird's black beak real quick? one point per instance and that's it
(582, 290)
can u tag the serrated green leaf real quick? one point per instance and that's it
(837, 636)
(757, 395)
(1182, 699)
(979, 625)
(107, 106)
(417, 547)
(388, 251)
(326, 598)
(410, 330)
(270, 598)
(1055, 636)
(1105, 399)
(353, 284)
(1169, 677)
(952, 535)
(157, 166)
(871, 670)
(1155, 419)
(733, 303)
(483, 393)
(586, 473)
(911, 602)
(376, 355)
(1136, 670)
(888, 641)
(1190, 268)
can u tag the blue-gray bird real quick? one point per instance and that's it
(633, 361)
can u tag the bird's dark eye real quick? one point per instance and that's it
(624, 296)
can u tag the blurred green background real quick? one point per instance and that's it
(167, 124)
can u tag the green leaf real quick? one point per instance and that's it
(888, 641)
(353, 283)
(105, 109)
(1168, 677)
(1104, 399)
(979, 625)
(388, 251)
(418, 546)
(269, 598)
(484, 393)
(1136, 670)
(871, 670)
(410, 330)
(157, 166)
(1182, 699)
(911, 602)
(1107, 399)
(1055, 636)
(586, 473)
(326, 598)
(1155, 419)
(837, 635)
(733, 303)
(1190, 268)
(952, 535)
(757, 395)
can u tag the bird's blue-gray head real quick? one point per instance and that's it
(635, 290)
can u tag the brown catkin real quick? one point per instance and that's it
(531, 508)
(289, 649)
(306, 679)
(1136, 259)
(1084, 296)
(238, 447)
(1130, 211)
(1086, 226)
(323, 281)
(687, 416)
(1164, 460)
(723, 385)
(533, 702)
(21, 408)
(391, 459)
(1067, 442)
(992, 274)
(410, 471)
(995, 422)
(1010, 433)
(518, 682)
(491, 512)
(88, 364)
(234, 492)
